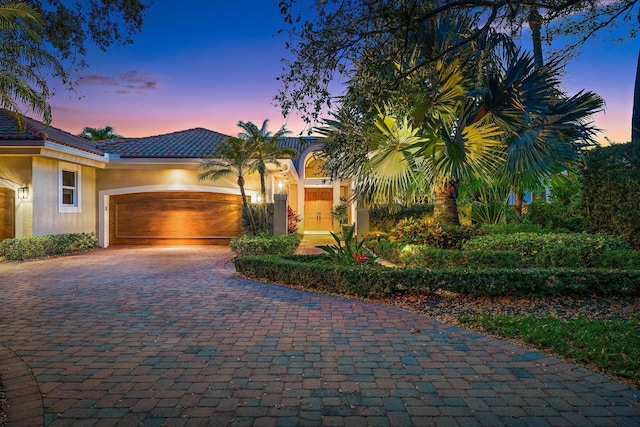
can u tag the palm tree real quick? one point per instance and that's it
(99, 134)
(232, 156)
(266, 151)
(21, 54)
(635, 118)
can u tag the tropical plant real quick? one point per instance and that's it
(292, 220)
(487, 112)
(352, 252)
(21, 54)
(232, 156)
(99, 134)
(266, 149)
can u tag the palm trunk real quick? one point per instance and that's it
(519, 197)
(445, 206)
(635, 119)
(263, 191)
(245, 205)
(535, 23)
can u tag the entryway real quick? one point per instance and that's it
(7, 213)
(317, 209)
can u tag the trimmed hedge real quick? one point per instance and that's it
(265, 244)
(25, 248)
(378, 281)
(553, 249)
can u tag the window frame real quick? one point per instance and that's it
(75, 207)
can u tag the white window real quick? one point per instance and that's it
(69, 187)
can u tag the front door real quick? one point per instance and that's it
(7, 213)
(317, 209)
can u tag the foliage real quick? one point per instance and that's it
(620, 258)
(22, 55)
(488, 199)
(547, 249)
(232, 156)
(385, 217)
(99, 134)
(611, 345)
(54, 44)
(328, 41)
(340, 212)
(25, 248)
(427, 232)
(262, 213)
(514, 227)
(375, 282)
(563, 210)
(611, 191)
(265, 244)
(352, 252)
(292, 220)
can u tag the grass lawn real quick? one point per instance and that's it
(599, 333)
(608, 346)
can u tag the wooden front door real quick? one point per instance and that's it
(7, 213)
(317, 209)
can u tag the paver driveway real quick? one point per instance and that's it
(171, 336)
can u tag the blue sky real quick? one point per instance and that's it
(211, 64)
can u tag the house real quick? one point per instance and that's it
(143, 190)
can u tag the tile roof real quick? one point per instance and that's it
(38, 131)
(191, 143)
(186, 144)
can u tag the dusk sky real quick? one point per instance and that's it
(211, 64)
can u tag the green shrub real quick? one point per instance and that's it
(383, 219)
(426, 232)
(352, 252)
(514, 227)
(25, 248)
(428, 257)
(618, 259)
(377, 281)
(539, 249)
(265, 244)
(611, 191)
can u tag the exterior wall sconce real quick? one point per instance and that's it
(23, 193)
(259, 198)
(282, 186)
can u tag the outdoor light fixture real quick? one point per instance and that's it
(280, 186)
(259, 198)
(23, 193)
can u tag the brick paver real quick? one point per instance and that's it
(171, 336)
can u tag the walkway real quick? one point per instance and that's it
(171, 336)
(309, 242)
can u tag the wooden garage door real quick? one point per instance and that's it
(7, 213)
(174, 218)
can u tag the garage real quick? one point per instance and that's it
(7, 213)
(174, 218)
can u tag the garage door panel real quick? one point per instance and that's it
(7, 213)
(174, 218)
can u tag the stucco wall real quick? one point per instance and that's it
(176, 179)
(46, 218)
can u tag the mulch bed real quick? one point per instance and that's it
(3, 406)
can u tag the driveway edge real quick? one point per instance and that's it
(24, 401)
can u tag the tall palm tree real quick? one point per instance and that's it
(232, 156)
(635, 118)
(99, 134)
(266, 149)
(21, 54)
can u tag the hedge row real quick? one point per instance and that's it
(545, 257)
(24, 248)
(378, 281)
(264, 244)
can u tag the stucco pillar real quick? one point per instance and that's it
(362, 221)
(280, 212)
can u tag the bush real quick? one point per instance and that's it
(562, 212)
(429, 257)
(426, 232)
(265, 244)
(514, 227)
(25, 248)
(576, 249)
(381, 218)
(611, 191)
(292, 220)
(625, 259)
(367, 281)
